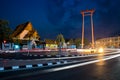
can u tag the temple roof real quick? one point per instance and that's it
(25, 31)
(19, 29)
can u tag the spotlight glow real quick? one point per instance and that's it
(17, 47)
(100, 50)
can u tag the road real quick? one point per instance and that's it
(101, 68)
(20, 59)
(107, 70)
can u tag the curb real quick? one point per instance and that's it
(30, 66)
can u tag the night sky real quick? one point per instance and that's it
(52, 17)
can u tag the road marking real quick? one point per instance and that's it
(58, 63)
(50, 64)
(40, 65)
(28, 66)
(15, 67)
(65, 62)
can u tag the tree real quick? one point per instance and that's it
(71, 42)
(86, 42)
(78, 42)
(5, 31)
(60, 39)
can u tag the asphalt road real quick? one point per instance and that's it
(93, 68)
(104, 70)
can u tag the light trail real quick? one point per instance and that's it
(84, 63)
(87, 62)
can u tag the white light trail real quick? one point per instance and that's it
(84, 63)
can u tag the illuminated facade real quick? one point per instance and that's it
(110, 42)
(51, 44)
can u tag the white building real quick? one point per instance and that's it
(110, 42)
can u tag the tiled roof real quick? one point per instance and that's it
(19, 29)
(26, 28)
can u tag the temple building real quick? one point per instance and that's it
(25, 34)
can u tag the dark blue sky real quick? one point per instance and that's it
(51, 17)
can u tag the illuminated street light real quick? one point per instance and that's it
(4, 41)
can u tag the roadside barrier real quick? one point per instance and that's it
(29, 66)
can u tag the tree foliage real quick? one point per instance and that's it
(71, 42)
(77, 42)
(60, 39)
(5, 31)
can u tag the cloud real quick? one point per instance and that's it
(55, 16)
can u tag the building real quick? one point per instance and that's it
(51, 44)
(25, 35)
(110, 42)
